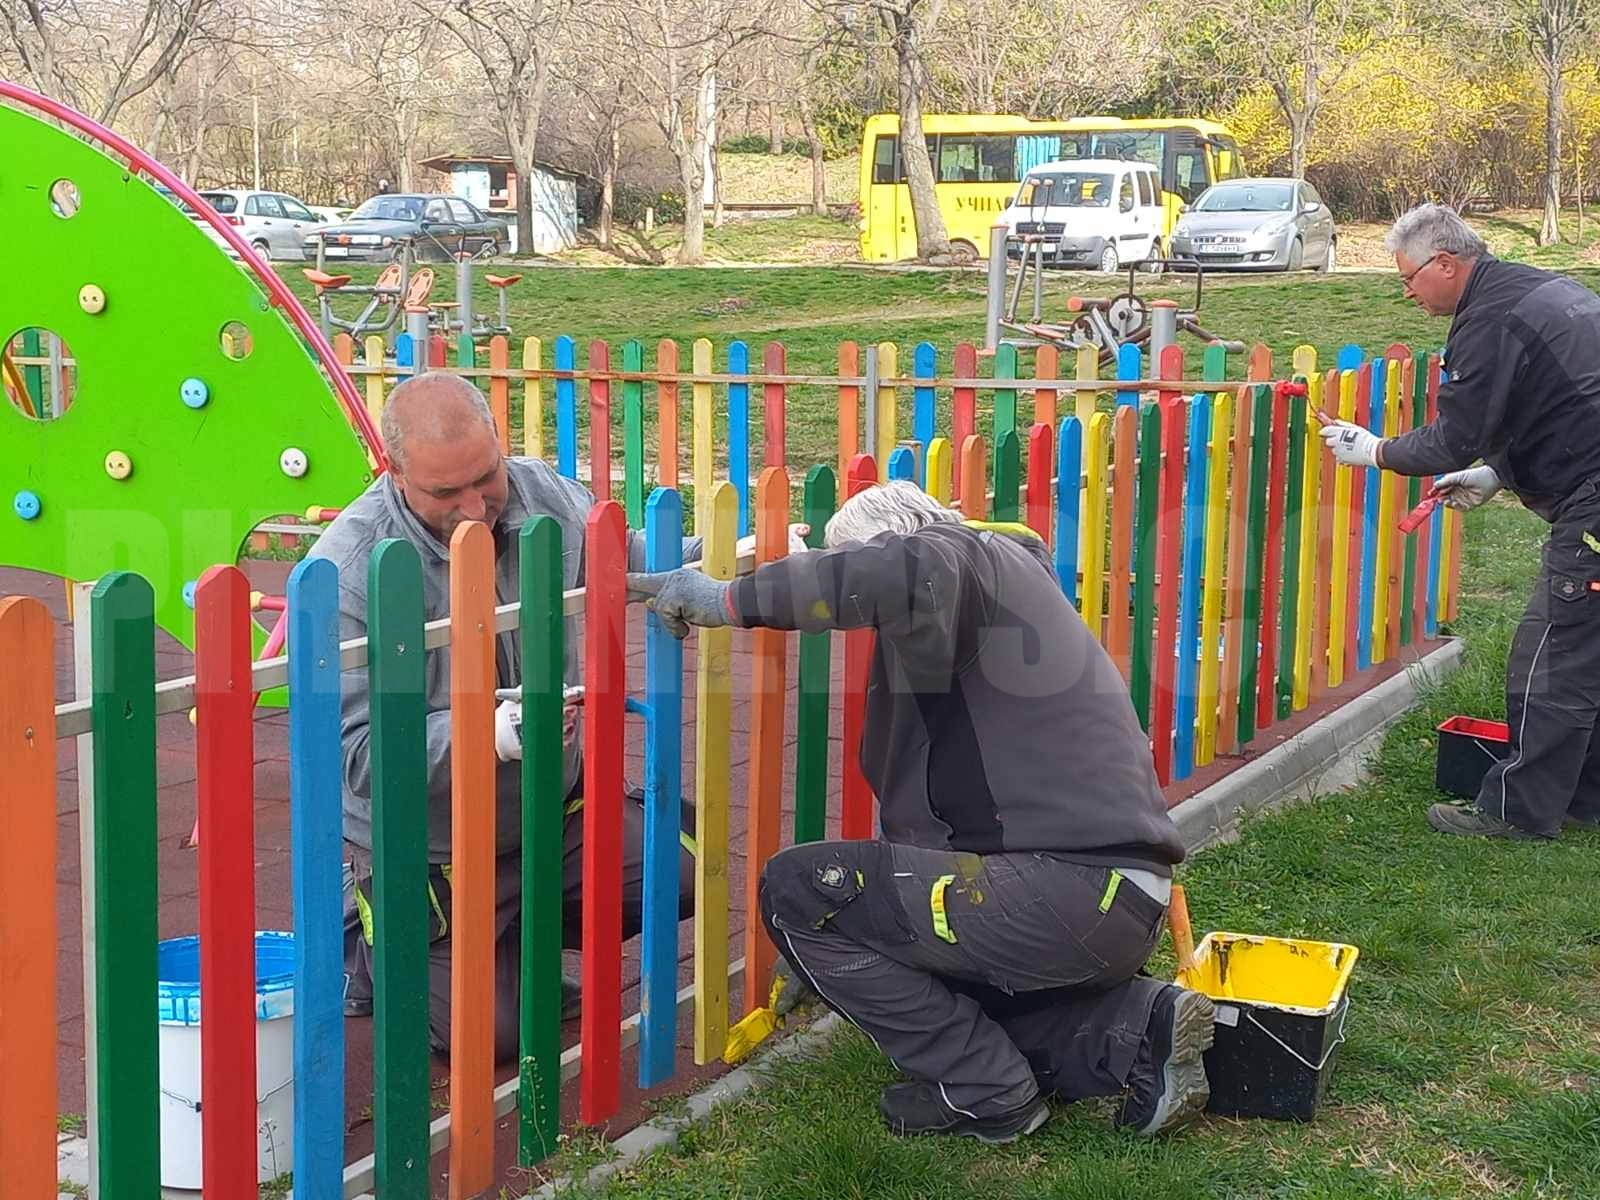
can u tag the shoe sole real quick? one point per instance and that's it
(1187, 1091)
(1445, 825)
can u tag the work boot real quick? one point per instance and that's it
(1468, 820)
(1168, 1086)
(910, 1108)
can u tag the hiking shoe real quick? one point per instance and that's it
(1168, 1086)
(1468, 820)
(910, 1108)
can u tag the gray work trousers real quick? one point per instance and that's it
(1553, 684)
(995, 976)
(508, 921)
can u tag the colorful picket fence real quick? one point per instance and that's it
(1234, 573)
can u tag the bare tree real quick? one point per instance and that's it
(513, 41)
(1301, 49)
(904, 27)
(99, 56)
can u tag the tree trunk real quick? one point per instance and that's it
(608, 184)
(522, 164)
(932, 240)
(716, 187)
(692, 166)
(1550, 231)
(819, 174)
(405, 128)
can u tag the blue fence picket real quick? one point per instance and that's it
(924, 365)
(1069, 470)
(739, 432)
(1194, 542)
(567, 410)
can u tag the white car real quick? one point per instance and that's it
(275, 224)
(1091, 212)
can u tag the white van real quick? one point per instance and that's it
(1093, 212)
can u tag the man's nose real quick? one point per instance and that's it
(472, 506)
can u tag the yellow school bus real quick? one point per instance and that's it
(979, 159)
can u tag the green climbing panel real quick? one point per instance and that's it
(171, 451)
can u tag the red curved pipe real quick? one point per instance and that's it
(278, 292)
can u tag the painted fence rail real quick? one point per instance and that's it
(1235, 574)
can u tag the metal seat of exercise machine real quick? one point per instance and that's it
(502, 281)
(322, 280)
(416, 299)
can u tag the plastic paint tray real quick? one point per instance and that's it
(1281, 1008)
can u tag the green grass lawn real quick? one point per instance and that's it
(1472, 1065)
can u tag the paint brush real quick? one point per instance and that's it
(1414, 519)
(1182, 933)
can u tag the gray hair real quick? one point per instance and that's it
(1429, 229)
(899, 506)
(432, 407)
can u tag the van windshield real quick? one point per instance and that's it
(1066, 189)
(1248, 197)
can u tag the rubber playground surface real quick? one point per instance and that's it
(178, 870)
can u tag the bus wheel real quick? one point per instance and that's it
(1108, 261)
(963, 252)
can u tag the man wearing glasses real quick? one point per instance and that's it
(1522, 394)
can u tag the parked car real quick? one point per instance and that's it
(273, 223)
(439, 227)
(1258, 225)
(329, 214)
(1093, 212)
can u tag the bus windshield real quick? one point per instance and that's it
(1254, 197)
(1066, 189)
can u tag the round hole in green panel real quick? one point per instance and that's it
(236, 342)
(38, 374)
(64, 198)
(269, 552)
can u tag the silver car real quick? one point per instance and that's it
(1257, 225)
(275, 224)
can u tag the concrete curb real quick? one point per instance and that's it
(1326, 756)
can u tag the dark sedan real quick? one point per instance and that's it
(440, 227)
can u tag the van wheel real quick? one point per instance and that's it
(1153, 264)
(1108, 261)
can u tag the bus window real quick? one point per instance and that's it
(975, 158)
(1136, 145)
(884, 156)
(1036, 149)
(1189, 173)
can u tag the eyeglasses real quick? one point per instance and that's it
(1405, 280)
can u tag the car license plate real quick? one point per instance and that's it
(336, 251)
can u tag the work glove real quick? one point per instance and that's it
(1351, 444)
(797, 541)
(789, 989)
(508, 731)
(682, 598)
(1462, 490)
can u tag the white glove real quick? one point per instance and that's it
(797, 541)
(508, 731)
(1462, 490)
(1351, 444)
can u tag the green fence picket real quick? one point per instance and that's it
(123, 630)
(1007, 477)
(1254, 559)
(633, 436)
(543, 641)
(398, 752)
(811, 748)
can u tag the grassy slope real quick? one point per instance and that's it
(1472, 1065)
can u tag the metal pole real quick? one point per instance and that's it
(1163, 329)
(997, 286)
(1038, 279)
(1022, 275)
(464, 291)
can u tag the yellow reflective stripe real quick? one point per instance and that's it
(941, 922)
(433, 899)
(688, 843)
(364, 911)
(1013, 528)
(574, 805)
(1112, 885)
